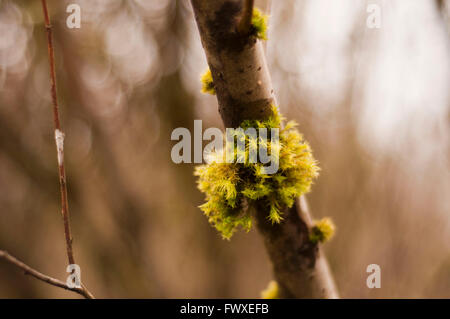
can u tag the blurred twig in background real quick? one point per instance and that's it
(59, 140)
(59, 137)
(40, 276)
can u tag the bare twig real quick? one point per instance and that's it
(246, 19)
(40, 276)
(59, 137)
(59, 140)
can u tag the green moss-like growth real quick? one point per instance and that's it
(207, 83)
(232, 189)
(271, 292)
(322, 231)
(259, 24)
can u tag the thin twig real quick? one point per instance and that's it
(246, 19)
(40, 276)
(59, 137)
(59, 140)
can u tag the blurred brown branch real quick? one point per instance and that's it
(59, 137)
(246, 20)
(40, 276)
(299, 266)
(59, 140)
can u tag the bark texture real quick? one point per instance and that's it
(244, 91)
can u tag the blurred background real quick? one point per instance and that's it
(373, 103)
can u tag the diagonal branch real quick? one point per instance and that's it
(244, 91)
(40, 276)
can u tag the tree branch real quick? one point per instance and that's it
(40, 276)
(300, 266)
(59, 138)
(246, 20)
(244, 91)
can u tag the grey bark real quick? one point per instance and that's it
(244, 91)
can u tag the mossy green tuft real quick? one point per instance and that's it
(233, 189)
(322, 230)
(207, 83)
(259, 24)
(271, 292)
